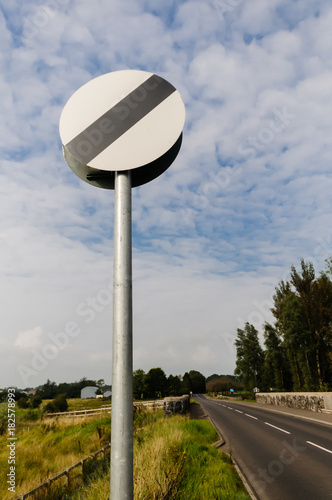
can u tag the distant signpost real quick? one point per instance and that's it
(121, 130)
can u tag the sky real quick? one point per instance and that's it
(248, 196)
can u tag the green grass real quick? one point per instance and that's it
(175, 459)
(46, 447)
(86, 404)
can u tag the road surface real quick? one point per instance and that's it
(282, 457)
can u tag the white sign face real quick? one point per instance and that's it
(125, 120)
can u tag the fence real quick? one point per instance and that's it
(98, 411)
(81, 413)
(48, 484)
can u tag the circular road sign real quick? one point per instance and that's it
(124, 120)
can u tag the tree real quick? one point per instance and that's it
(186, 384)
(249, 357)
(197, 382)
(329, 265)
(139, 386)
(35, 401)
(173, 385)
(100, 384)
(303, 312)
(23, 402)
(156, 383)
(211, 377)
(48, 390)
(222, 384)
(290, 324)
(276, 367)
(59, 404)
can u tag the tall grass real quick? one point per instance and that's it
(174, 459)
(46, 448)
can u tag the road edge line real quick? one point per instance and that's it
(244, 480)
(296, 416)
(218, 445)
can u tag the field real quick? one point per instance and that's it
(173, 457)
(48, 446)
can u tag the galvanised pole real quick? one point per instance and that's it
(122, 378)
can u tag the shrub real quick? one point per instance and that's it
(49, 408)
(59, 404)
(35, 402)
(23, 403)
(3, 420)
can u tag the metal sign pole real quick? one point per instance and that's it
(133, 120)
(122, 379)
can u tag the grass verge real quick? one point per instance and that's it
(174, 459)
(46, 448)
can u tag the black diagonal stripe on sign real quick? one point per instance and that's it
(116, 121)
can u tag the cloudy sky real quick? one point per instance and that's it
(247, 197)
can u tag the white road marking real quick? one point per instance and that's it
(239, 411)
(251, 416)
(295, 415)
(275, 427)
(320, 447)
(229, 408)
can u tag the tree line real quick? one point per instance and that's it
(50, 389)
(155, 384)
(151, 385)
(298, 345)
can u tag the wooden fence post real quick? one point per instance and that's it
(68, 478)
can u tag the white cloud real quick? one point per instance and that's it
(208, 241)
(29, 338)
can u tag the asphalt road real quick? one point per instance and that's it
(282, 457)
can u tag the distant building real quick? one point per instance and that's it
(89, 392)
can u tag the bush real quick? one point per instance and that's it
(35, 402)
(23, 403)
(49, 408)
(59, 404)
(3, 420)
(30, 414)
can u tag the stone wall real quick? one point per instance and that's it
(314, 401)
(179, 404)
